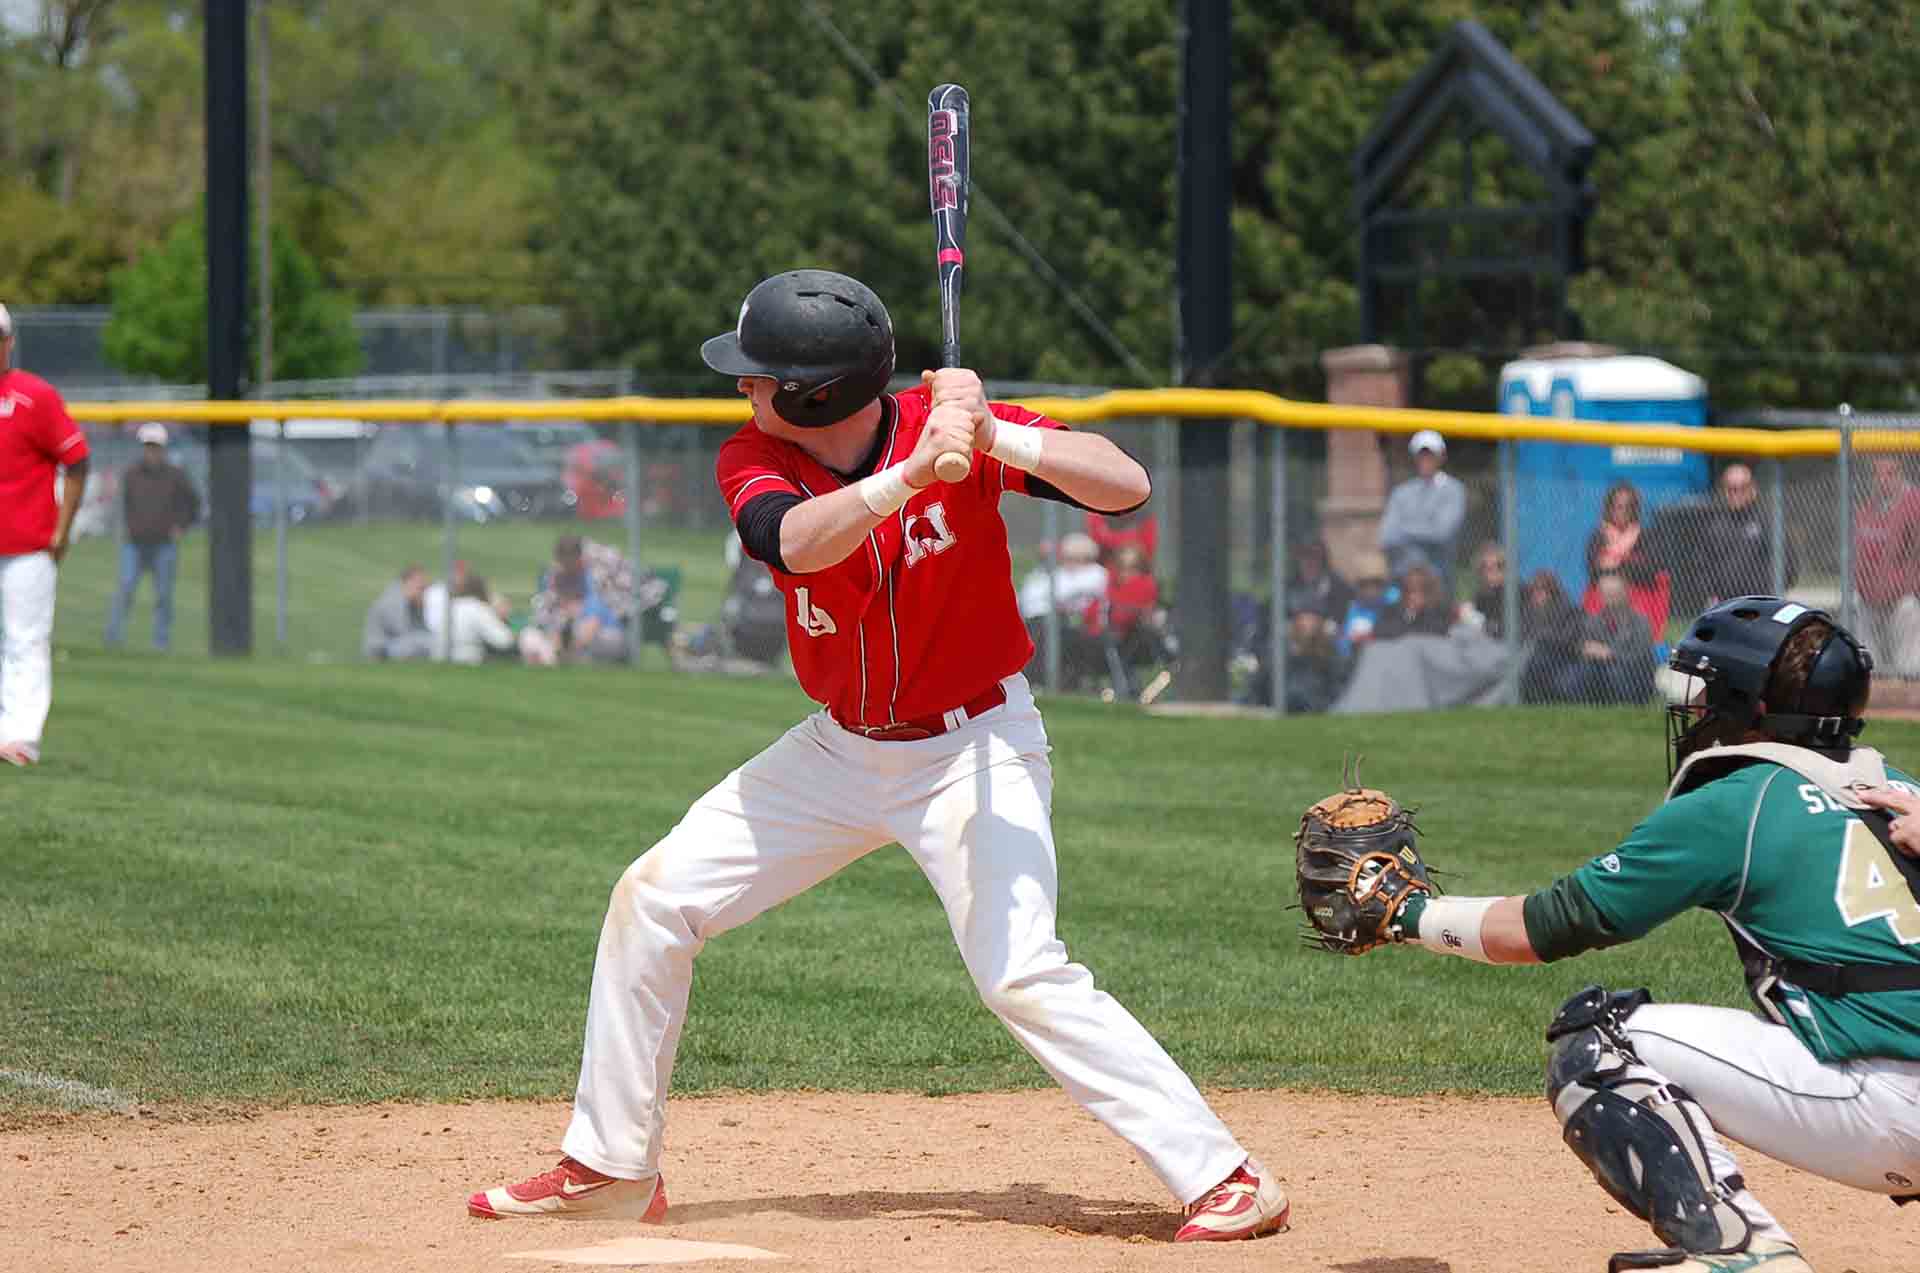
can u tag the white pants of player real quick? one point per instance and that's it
(972, 808)
(26, 646)
(1856, 1122)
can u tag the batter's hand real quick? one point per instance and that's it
(948, 428)
(58, 548)
(1906, 816)
(961, 387)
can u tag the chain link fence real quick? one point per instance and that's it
(1567, 571)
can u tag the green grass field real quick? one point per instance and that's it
(237, 883)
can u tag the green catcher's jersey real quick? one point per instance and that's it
(1769, 850)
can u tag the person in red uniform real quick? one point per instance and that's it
(37, 440)
(903, 626)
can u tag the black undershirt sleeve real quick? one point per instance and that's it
(1041, 488)
(1562, 920)
(759, 527)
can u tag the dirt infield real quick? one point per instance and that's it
(1022, 1182)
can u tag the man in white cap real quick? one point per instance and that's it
(37, 440)
(1424, 513)
(158, 504)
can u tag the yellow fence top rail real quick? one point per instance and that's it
(1226, 404)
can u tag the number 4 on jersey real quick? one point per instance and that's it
(1871, 886)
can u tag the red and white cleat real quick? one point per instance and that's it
(1244, 1205)
(575, 1191)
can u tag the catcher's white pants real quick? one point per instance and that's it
(1856, 1122)
(972, 808)
(26, 646)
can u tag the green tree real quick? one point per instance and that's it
(1768, 238)
(695, 147)
(159, 322)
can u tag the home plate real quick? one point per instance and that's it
(648, 1251)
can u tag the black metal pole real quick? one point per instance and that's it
(1205, 290)
(229, 447)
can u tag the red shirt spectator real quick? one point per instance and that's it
(1114, 531)
(1886, 527)
(1132, 595)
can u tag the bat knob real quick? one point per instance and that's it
(952, 466)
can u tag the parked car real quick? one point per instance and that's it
(495, 475)
(553, 440)
(310, 495)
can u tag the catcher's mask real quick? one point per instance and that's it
(823, 338)
(1732, 648)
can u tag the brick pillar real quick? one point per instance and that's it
(1359, 375)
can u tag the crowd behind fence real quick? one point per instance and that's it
(1576, 555)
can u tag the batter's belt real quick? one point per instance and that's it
(909, 731)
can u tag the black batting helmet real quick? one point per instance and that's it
(823, 337)
(1734, 648)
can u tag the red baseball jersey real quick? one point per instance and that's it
(37, 436)
(921, 617)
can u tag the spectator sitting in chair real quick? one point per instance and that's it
(1422, 610)
(1315, 671)
(396, 626)
(1372, 594)
(1487, 612)
(1616, 650)
(1072, 588)
(585, 601)
(1619, 545)
(1554, 627)
(1128, 620)
(1315, 586)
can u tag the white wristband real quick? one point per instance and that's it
(886, 490)
(1451, 926)
(1016, 445)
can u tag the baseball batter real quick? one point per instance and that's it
(902, 624)
(1769, 822)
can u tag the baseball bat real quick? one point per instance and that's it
(949, 163)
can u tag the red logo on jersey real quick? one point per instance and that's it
(927, 533)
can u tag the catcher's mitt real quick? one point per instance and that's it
(1356, 859)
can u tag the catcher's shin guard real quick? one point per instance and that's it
(1641, 1136)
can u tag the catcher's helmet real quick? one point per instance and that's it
(1733, 648)
(823, 337)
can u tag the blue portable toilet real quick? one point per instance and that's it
(1561, 484)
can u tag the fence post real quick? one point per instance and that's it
(1050, 534)
(1509, 537)
(1777, 531)
(281, 460)
(1845, 501)
(449, 534)
(1277, 560)
(630, 439)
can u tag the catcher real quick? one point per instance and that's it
(1764, 823)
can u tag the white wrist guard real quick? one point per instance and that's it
(1451, 926)
(886, 490)
(1016, 445)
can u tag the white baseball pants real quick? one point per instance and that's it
(972, 808)
(1857, 1122)
(26, 646)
